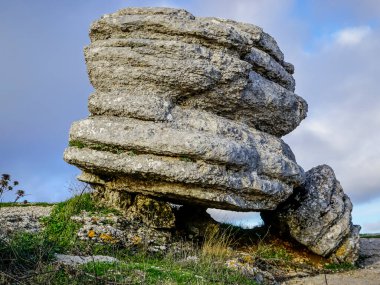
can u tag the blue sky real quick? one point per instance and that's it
(334, 46)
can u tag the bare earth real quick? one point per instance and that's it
(369, 274)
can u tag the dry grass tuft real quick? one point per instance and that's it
(218, 242)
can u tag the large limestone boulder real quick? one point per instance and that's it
(188, 110)
(318, 215)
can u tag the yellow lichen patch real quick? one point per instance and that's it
(248, 259)
(107, 238)
(91, 233)
(94, 220)
(341, 251)
(136, 240)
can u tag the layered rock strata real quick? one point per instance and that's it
(318, 215)
(189, 110)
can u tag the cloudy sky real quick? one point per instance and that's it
(334, 45)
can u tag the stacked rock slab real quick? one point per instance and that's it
(189, 110)
(318, 215)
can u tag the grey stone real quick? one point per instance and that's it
(178, 24)
(270, 68)
(75, 260)
(187, 110)
(172, 58)
(137, 104)
(181, 180)
(21, 219)
(193, 137)
(149, 137)
(318, 215)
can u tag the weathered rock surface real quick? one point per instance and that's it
(153, 213)
(22, 218)
(120, 230)
(188, 110)
(318, 215)
(231, 69)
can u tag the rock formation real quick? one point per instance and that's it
(318, 215)
(187, 110)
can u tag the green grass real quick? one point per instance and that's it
(267, 251)
(143, 271)
(165, 271)
(338, 267)
(100, 147)
(24, 251)
(370, 235)
(76, 143)
(60, 229)
(186, 159)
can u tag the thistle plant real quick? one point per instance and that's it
(7, 185)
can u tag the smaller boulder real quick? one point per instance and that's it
(318, 215)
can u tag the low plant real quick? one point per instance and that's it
(23, 252)
(338, 267)
(272, 251)
(8, 185)
(61, 229)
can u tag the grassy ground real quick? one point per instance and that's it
(29, 258)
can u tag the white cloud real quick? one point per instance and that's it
(352, 36)
(341, 86)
